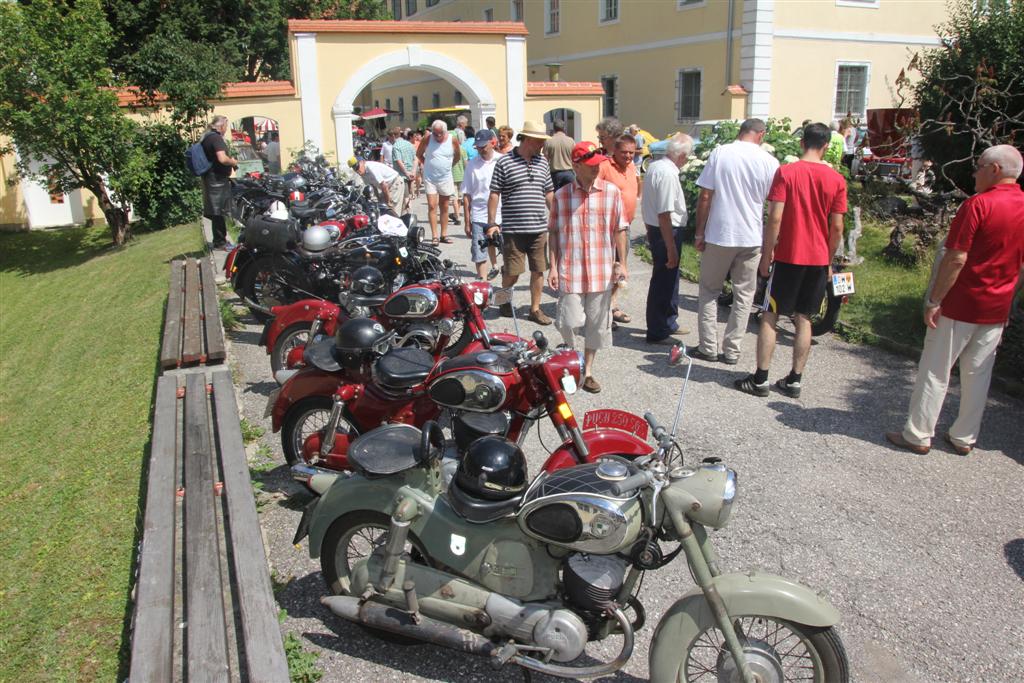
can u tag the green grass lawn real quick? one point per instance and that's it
(80, 329)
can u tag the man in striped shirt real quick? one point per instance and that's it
(522, 183)
(588, 230)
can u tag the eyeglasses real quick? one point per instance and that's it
(978, 167)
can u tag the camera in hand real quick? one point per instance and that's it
(494, 240)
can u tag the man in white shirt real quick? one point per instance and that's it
(730, 229)
(476, 191)
(664, 211)
(386, 148)
(385, 179)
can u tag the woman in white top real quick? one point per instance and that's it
(437, 153)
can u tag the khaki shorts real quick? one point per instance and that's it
(445, 188)
(518, 249)
(588, 313)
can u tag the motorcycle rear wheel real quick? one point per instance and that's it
(778, 651)
(267, 283)
(825, 321)
(353, 537)
(292, 336)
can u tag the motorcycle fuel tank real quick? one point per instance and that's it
(575, 508)
(475, 382)
(411, 302)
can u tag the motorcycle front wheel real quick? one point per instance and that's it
(353, 537)
(305, 417)
(777, 651)
(268, 283)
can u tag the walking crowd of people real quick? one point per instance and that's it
(561, 210)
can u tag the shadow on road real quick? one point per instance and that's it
(1014, 553)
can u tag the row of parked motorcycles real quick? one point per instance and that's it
(406, 417)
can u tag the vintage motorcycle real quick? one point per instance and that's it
(441, 315)
(528, 574)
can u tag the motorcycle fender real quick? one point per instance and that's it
(744, 595)
(600, 442)
(243, 259)
(307, 382)
(305, 310)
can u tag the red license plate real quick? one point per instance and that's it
(616, 419)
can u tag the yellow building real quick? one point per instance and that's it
(666, 64)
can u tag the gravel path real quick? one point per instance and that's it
(922, 555)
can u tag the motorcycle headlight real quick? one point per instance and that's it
(707, 493)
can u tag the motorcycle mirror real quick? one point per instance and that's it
(501, 296)
(540, 340)
(676, 354)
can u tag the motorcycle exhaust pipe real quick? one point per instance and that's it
(318, 479)
(400, 622)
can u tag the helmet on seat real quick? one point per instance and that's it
(358, 341)
(493, 468)
(367, 280)
(316, 238)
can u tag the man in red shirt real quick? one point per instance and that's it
(806, 204)
(969, 303)
(587, 226)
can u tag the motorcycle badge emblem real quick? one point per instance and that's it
(458, 544)
(600, 526)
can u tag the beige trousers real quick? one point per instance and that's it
(592, 312)
(396, 195)
(715, 263)
(975, 346)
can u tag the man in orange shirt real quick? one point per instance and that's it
(620, 170)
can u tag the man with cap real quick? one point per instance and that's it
(588, 227)
(521, 183)
(385, 179)
(476, 191)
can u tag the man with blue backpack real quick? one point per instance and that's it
(209, 160)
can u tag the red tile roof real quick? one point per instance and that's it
(362, 26)
(564, 88)
(128, 97)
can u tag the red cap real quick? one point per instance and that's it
(587, 153)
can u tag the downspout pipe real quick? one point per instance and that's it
(728, 43)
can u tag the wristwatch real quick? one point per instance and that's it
(932, 304)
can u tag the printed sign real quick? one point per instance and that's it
(842, 283)
(616, 419)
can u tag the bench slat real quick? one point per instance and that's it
(191, 348)
(206, 651)
(170, 349)
(264, 648)
(211, 313)
(153, 633)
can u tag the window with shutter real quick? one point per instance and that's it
(611, 95)
(517, 10)
(396, 10)
(688, 94)
(552, 18)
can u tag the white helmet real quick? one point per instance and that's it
(279, 211)
(316, 238)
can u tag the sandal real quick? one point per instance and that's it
(434, 242)
(620, 317)
(447, 240)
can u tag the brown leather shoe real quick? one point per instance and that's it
(539, 317)
(896, 439)
(960, 450)
(590, 384)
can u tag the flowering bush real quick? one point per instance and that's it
(779, 141)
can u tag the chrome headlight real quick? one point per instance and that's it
(583, 365)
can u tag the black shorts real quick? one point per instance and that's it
(795, 290)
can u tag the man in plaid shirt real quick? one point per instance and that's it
(588, 241)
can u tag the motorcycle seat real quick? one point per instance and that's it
(386, 450)
(403, 368)
(477, 510)
(304, 212)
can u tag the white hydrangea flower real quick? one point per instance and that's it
(768, 148)
(790, 158)
(693, 164)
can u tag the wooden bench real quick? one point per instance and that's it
(202, 563)
(193, 334)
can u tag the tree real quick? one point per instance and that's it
(971, 92)
(57, 105)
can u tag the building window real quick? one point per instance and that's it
(690, 3)
(609, 10)
(435, 100)
(489, 14)
(851, 90)
(376, 104)
(396, 10)
(401, 109)
(458, 97)
(551, 17)
(517, 10)
(410, 7)
(387, 105)
(872, 4)
(416, 107)
(431, 3)
(611, 94)
(688, 94)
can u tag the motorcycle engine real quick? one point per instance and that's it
(591, 583)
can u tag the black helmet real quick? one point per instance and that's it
(493, 468)
(358, 340)
(367, 280)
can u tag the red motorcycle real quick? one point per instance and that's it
(441, 316)
(480, 389)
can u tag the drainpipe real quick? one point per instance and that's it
(728, 44)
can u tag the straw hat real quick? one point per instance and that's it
(532, 129)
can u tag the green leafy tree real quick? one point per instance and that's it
(971, 92)
(57, 106)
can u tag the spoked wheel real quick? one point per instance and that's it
(353, 537)
(828, 314)
(293, 336)
(272, 282)
(304, 418)
(459, 339)
(777, 651)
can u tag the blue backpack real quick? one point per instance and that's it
(195, 158)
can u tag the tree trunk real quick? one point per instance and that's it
(117, 217)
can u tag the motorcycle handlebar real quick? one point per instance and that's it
(631, 483)
(659, 431)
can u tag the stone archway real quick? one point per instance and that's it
(479, 95)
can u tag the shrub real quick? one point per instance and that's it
(165, 192)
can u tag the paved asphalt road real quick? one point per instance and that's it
(922, 555)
